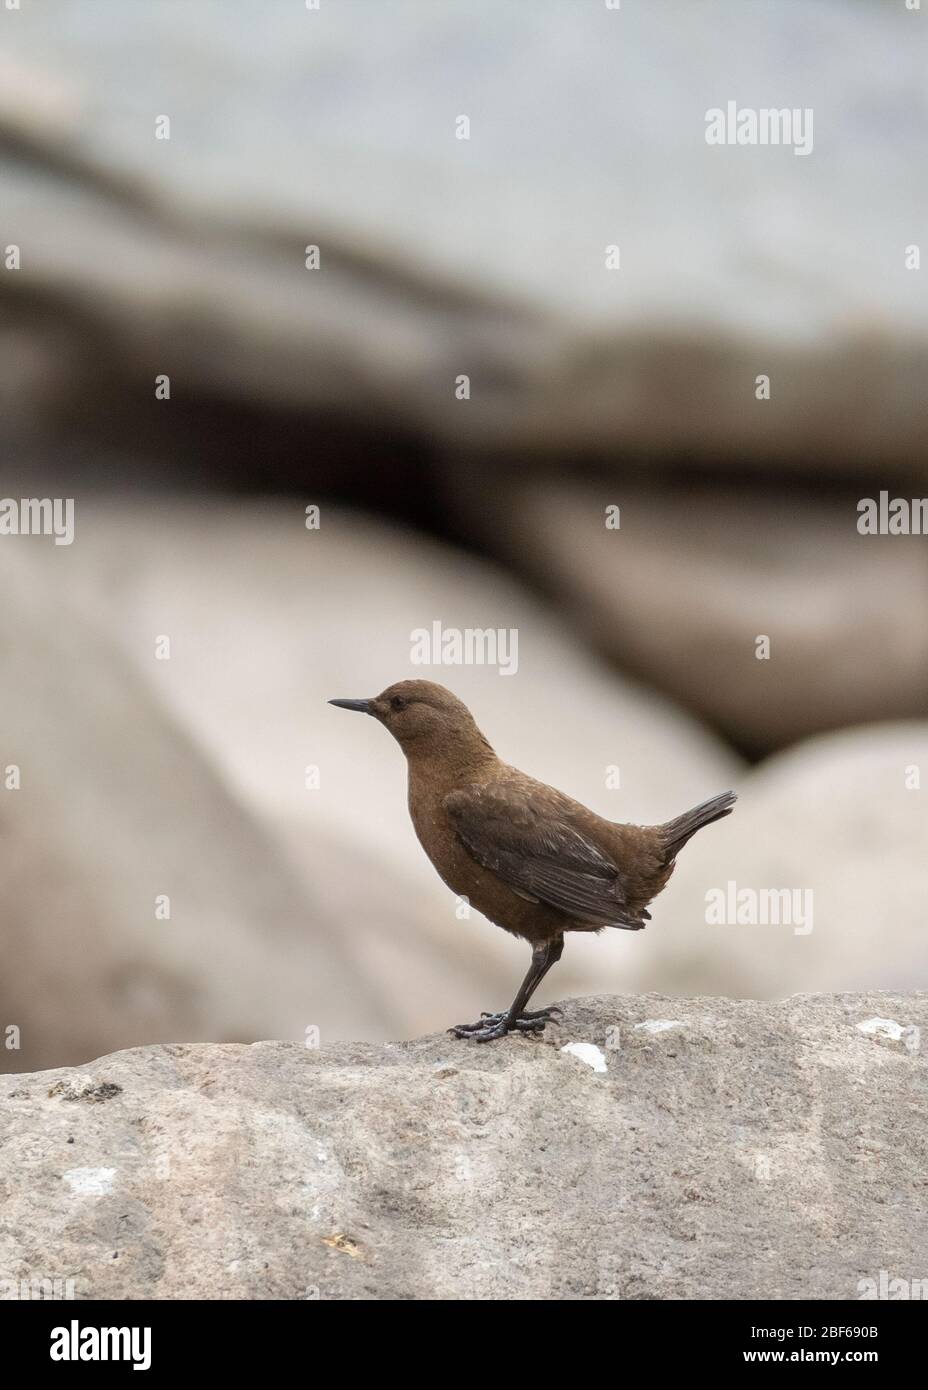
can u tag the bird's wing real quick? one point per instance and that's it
(521, 838)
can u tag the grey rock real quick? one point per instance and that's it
(681, 591)
(486, 256)
(115, 810)
(752, 1151)
(840, 822)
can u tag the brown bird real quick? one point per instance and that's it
(528, 857)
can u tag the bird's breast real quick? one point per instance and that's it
(461, 873)
(437, 837)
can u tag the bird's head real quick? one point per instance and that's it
(421, 716)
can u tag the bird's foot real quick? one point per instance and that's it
(490, 1026)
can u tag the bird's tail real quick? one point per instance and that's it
(676, 832)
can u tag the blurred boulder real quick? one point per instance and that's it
(141, 900)
(268, 620)
(681, 592)
(838, 823)
(487, 255)
(303, 895)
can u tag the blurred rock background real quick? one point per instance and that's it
(296, 907)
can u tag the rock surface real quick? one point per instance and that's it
(729, 1150)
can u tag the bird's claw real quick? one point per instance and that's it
(529, 1014)
(490, 1026)
(494, 1027)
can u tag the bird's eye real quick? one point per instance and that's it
(397, 702)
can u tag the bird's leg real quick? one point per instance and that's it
(516, 1019)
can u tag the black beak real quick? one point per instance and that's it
(364, 706)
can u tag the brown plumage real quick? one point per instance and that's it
(528, 857)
